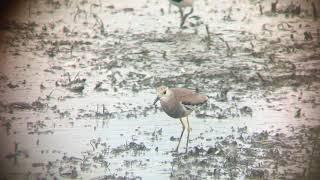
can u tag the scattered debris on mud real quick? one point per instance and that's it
(265, 155)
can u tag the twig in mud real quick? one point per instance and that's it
(228, 16)
(78, 13)
(91, 143)
(271, 58)
(71, 49)
(69, 78)
(53, 51)
(293, 10)
(274, 6)
(16, 152)
(8, 126)
(98, 23)
(106, 165)
(252, 46)
(308, 36)
(208, 37)
(314, 11)
(289, 26)
(264, 28)
(15, 147)
(49, 96)
(29, 7)
(75, 77)
(119, 40)
(261, 9)
(164, 55)
(74, 81)
(261, 78)
(227, 45)
(94, 5)
(312, 154)
(97, 108)
(67, 3)
(298, 113)
(291, 37)
(229, 50)
(172, 171)
(162, 11)
(104, 109)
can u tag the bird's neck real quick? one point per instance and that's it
(169, 97)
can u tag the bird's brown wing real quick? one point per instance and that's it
(189, 97)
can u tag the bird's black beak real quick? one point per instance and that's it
(156, 100)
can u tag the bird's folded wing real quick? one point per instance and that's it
(189, 97)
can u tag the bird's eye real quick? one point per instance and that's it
(164, 92)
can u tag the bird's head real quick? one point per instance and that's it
(162, 91)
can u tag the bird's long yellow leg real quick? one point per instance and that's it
(183, 127)
(189, 129)
(184, 16)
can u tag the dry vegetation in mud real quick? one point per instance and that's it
(77, 65)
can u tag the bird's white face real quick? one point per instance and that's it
(162, 92)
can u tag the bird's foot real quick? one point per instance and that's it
(189, 129)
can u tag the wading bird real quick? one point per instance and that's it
(182, 4)
(179, 103)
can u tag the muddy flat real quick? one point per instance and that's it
(78, 80)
